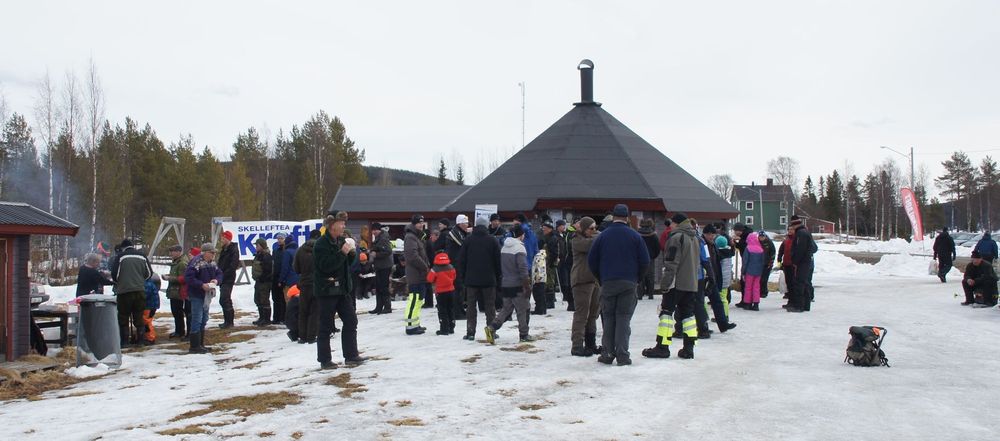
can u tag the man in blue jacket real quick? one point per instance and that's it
(618, 259)
(987, 248)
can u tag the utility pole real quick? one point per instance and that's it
(522, 85)
(905, 156)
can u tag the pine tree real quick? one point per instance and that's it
(958, 181)
(833, 199)
(989, 174)
(442, 174)
(460, 175)
(246, 204)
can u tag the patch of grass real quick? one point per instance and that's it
(535, 406)
(192, 429)
(245, 405)
(506, 392)
(148, 377)
(577, 422)
(253, 365)
(524, 347)
(408, 421)
(32, 385)
(383, 403)
(474, 358)
(297, 435)
(531, 417)
(321, 421)
(403, 403)
(348, 389)
(564, 383)
(265, 434)
(82, 393)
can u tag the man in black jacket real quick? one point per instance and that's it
(277, 289)
(944, 253)
(382, 255)
(452, 240)
(229, 260)
(89, 279)
(565, 264)
(479, 270)
(979, 282)
(803, 249)
(648, 233)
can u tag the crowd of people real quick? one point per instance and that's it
(602, 269)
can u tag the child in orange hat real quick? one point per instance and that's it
(442, 275)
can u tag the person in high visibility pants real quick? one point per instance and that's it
(682, 263)
(148, 337)
(417, 267)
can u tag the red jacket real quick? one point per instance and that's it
(663, 238)
(442, 274)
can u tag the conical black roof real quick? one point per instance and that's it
(588, 154)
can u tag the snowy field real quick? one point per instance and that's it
(777, 376)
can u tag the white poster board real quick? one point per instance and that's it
(246, 233)
(484, 211)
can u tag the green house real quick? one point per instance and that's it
(766, 207)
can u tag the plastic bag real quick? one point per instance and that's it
(932, 269)
(782, 285)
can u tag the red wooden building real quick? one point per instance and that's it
(18, 222)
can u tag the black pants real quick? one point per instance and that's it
(446, 310)
(343, 306)
(226, 301)
(382, 302)
(803, 286)
(538, 294)
(766, 274)
(789, 281)
(564, 283)
(681, 304)
(181, 310)
(646, 284)
(278, 297)
(718, 310)
(308, 313)
(292, 317)
(700, 314)
(131, 306)
(944, 265)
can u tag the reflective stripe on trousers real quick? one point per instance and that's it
(413, 306)
(666, 328)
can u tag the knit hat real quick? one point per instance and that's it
(709, 229)
(376, 226)
(261, 241)
(560, 222)
(678, 218)
(315, 234)
(461, 219)
(666, 222)
(586, 222)
(280, 236)
(482, 222)
(621, 210)
(125, 244)
(608, 218)
(195, 251)
(441, 258)
(494, 217)
(338, 215)
(228, 235)
(207, 247)
(521, 218)
(795, 222)
(416, 219)
(175, 248)
(646, 223)
(444, 222)
(548, 225)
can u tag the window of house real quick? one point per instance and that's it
(821, 229)
(748, 220)
(783, 220)
(784, 205)
(748, 205)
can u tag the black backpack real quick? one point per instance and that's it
(865, 348)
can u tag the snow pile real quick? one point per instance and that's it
(832, 262)
(903, 265)
(88, 371)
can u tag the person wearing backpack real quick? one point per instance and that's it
(803, 249)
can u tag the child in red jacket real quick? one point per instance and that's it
(442, 275)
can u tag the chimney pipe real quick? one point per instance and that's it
(770, 182)
(586, 68)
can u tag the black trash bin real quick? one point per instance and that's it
(97, 338)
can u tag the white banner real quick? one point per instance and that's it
(246, 233)
(483, 211)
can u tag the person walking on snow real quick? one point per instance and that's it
(515, 286)
(944, 253)
(987, 248)
(618, 258)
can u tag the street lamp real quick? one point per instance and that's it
(905, 156)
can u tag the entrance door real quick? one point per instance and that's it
(4, 301)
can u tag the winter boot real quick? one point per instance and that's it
(661, 350)
(195, 347)
(443, 328)
(580, 351)
(590, 343)
(755, 306)
(490, 336)
(606, 359)
(687, 351)
(723, 327)
(201, 342)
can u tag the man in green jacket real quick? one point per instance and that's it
(332, 258)
(180, 307)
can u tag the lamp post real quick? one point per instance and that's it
(905, 156)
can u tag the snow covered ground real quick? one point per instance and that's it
(777, 376)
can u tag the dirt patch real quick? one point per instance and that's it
(82, 393)
(524, 347)
(297, 435)
(409, 421)
(403, 403)
(192, 429)
(531, 417)
(253, 365)
(348, 389)
(265, 434)
(472, 359)
(564, 383)
(245, 405)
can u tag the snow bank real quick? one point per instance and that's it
(832, 262)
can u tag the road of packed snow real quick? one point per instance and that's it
(777, 376)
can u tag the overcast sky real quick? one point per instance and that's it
(719, 87)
